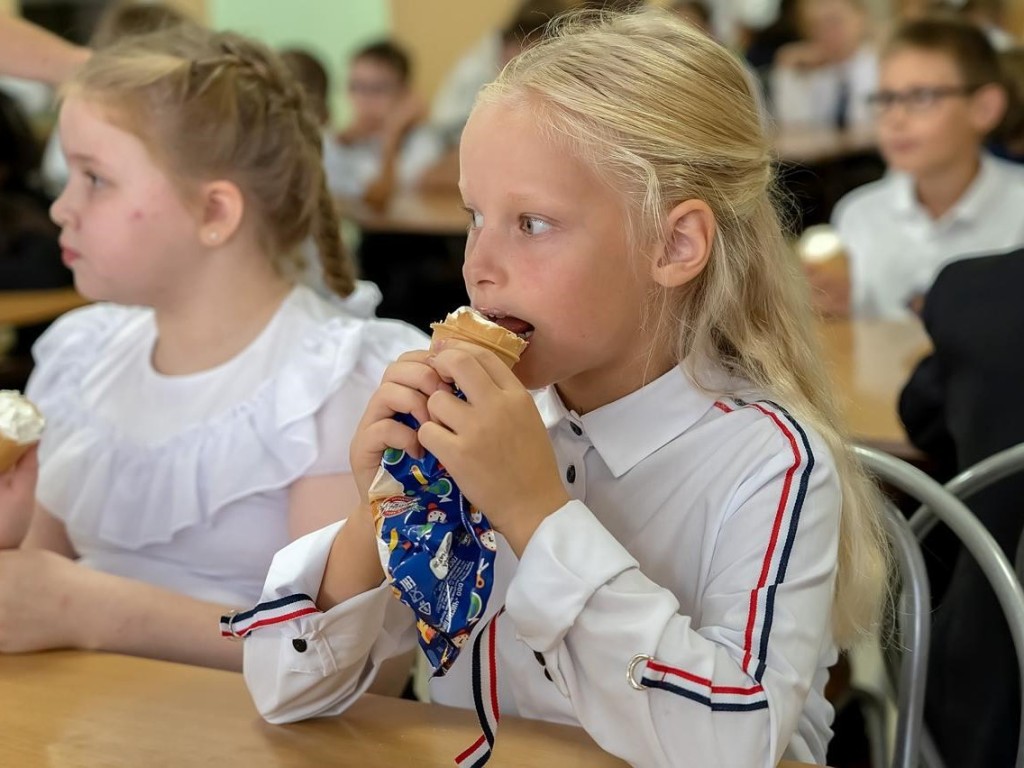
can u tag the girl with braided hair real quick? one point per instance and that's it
(199, 418)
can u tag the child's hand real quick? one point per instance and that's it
(494, 444)
(405, 387)
(17, 499)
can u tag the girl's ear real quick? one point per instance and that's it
(691, 231)
(222, 206)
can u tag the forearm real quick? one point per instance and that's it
(380, 190)
(353, 566)
(30, 52)
(126, 616)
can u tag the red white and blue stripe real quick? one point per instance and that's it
(774, 564)
(485, 696)
(239, 625)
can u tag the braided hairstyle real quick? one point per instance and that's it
(217, 105)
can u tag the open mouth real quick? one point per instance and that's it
(519, 327)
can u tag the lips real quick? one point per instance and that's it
(69, 256)
(519, 327)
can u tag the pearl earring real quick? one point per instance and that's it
(213, 237)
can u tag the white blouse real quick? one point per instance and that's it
(182, 481)
(703, 533)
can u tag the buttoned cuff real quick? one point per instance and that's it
(570, 556)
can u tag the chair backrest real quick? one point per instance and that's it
(972, 534)
(913, 624)
(996, 467)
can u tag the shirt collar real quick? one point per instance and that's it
(971, 205)
(628, 430)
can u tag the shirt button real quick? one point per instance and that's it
(300, 645)
(575, 428)
(570, 474)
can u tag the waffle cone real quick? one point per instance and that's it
(10, 452)
(470, 326)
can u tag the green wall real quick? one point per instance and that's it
(330, 29)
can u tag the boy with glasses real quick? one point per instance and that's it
(944, 198)
(384, 147)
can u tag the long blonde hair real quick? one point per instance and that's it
(666, 115)
(213, 105)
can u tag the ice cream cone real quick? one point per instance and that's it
(465, 324)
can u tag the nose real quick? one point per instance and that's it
(60, 211)
(482, 263)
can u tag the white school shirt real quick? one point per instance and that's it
(351, 168)
(702, 532)
(182, 481)
(896, 249)
(811, 98)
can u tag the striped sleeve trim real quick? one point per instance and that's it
(783, 534)
(239, 625)
(774, 565)
(720, 698)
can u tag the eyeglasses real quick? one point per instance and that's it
(917, 100)
(371, 88)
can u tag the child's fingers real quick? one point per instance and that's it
(380, 436)
(441, 442)
(415, 373)
(448, 410)
(392, 398)
(475, 371)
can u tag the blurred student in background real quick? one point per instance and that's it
(974, 317)
(312, 76)
(824, 79)
(945, 197)
(482, 63)
(385, 146)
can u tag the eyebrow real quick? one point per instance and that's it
(81, 157)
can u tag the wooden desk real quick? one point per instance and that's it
(72, 709)
(411, 213)
(812, 146)
(870, 361)
(29, 307)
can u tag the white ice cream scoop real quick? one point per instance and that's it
(21, 426)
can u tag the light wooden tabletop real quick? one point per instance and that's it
(869, 362)
(28, 307)
(73, 709)
(434, 213)
(810, 146)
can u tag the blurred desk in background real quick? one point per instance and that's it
(413, 249)
(869, 361)
(411, 213)
(812, 146)
(30, 307)
(817, 167)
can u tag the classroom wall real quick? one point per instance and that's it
(330, 29)
(438, 32)
(10, 7)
